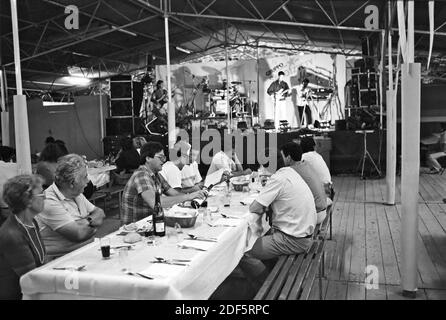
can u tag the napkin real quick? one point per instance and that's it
(226, 222)
(162, 270)
(200, 245)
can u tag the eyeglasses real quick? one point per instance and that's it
(162, 158)
(39, 195)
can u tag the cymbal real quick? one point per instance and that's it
(236, 82)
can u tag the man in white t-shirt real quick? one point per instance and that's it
(288, 201)
(172, 170)
(190, 175)
(317, 163)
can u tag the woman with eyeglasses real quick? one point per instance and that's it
(21, 247)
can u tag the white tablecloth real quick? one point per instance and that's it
(100, 176)
(103, 279)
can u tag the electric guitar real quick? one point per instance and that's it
(281, 95)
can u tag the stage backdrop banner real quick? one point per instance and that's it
(317, 68)
(188, 76)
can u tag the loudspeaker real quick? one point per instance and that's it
(367, 80)
(118, 126)
(119, 90)
(112, 144)
(368, 98)
(340, 125)
(121, 108)
(367, 46)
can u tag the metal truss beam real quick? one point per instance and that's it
(290, 23)
(173, 19)
(85, 39)
(101, 19)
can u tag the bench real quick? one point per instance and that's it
(293, 276)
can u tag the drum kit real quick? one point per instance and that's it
(237, 100)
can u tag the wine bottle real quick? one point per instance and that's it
(197, 203)
(159, 225)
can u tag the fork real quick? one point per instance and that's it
(70, 268)
(187, 247)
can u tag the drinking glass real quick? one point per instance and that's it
(105, 247)
(123, 255)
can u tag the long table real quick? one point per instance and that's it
(104, 279)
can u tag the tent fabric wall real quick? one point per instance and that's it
(79, 125)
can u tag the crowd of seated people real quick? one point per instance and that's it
(49, 216)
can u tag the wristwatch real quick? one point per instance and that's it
(89, 219)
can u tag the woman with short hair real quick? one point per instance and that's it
(21, 247)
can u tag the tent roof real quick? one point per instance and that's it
(115, 36)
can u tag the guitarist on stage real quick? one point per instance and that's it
(279, 90)
(303, 95)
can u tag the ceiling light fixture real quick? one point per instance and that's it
(79, 81)
(124, 31)
(183, 50)
(55, 103)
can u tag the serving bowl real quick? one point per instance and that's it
(184, 219)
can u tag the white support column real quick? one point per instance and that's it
(390, 147)
(410, 102)
(391, 124)
(20, 111)
(4, 114)
(227, 88)
(410, 142)
(170, 106)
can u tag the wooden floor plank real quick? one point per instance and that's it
(376, 294)
(373, 245)
(360, 190)
(358, 260)
(438, 185)
(439, 211)
(433, 294)
(348, 242)
(337, 261)
(369, 193)
(314, 294)
(336, 290)
(426, 182)
(339, 186)
(423, 191)
(426, 269)
(434, 238)
(391, 271)
(355, 291)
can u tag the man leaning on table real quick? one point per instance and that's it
(68, 220)
(138, 199)
(288, 201)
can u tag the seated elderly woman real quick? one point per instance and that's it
(21, 247)
(69, 220)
